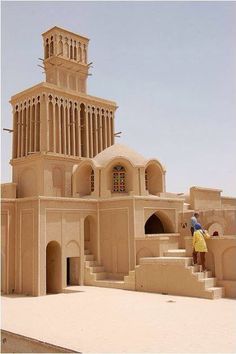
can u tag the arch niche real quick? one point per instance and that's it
(84, 180)
(158, 223)
(53, 267)
(215, 229)
(90, 235)
(154, 178)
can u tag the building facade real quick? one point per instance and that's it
(84, 210)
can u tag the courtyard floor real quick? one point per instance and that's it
(100, 320)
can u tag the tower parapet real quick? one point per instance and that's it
(65, 59)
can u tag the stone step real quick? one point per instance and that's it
(208, 282)
(89, 257)
(99, 276)
(203, 275)
(108, 283)
(175, 253)
(91, 263)
(215, 292)
(186, 261)
(195, 268)
(97, 269)
(86, 252)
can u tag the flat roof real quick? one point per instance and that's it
(90, 319)
(66, 31)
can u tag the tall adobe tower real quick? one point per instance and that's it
(56, 123)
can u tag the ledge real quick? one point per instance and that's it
(159, 237)
(216, 238)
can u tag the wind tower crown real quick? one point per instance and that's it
(65, 59)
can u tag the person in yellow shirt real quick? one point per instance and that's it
(199, 245)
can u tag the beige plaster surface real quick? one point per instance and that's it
(91, 319)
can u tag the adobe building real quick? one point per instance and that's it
(84, 210)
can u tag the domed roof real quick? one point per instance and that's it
(122, 151)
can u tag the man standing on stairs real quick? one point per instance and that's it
(194, 221)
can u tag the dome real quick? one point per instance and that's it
(119, 151)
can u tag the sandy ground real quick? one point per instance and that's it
(100, 320)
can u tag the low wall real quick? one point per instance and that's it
(15, 343)
(155, 245)
(221, 260)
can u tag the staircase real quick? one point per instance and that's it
(172, 274)
(95, 275)
(205, 279)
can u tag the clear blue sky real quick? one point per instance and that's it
(170, 66)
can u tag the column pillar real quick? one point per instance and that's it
(21, 132)
(105, 129)
(79, 130)
(53, 126)
(91, 134)
(108, 129)
(95, 132)
(87, 132)
(30, 126)
(27, 129)
(100, 133)
(68, 127)
(112, 129)
(59, 127)
(15, 132)
(73, 129)
(64, 127)
(43, 121)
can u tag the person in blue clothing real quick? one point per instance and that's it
(193, 222)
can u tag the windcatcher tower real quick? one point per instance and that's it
(57, 120)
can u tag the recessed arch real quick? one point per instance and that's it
(154, 178)
(83, 179)
(215, 228)
(158, 223)
(90, 234)
(53, 267)
(154, 225)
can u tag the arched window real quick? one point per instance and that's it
(46, 49)
(51, 46)
(146, 180)
(92, 181)
(60, 48)
(119, 179)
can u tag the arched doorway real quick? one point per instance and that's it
(53, 267)
(154, 225)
